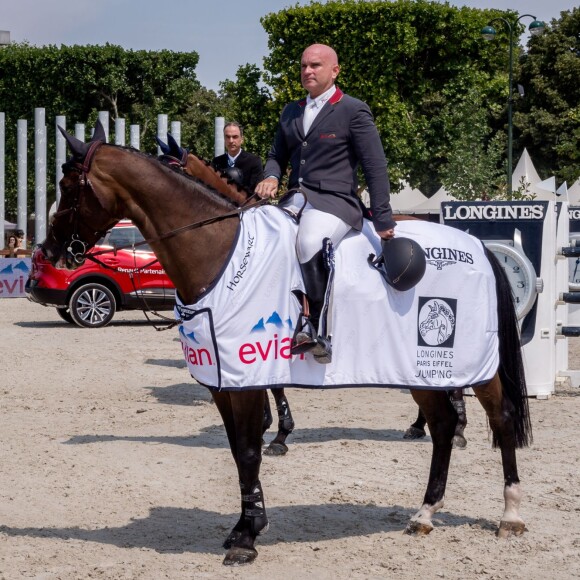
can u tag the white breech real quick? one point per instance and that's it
(314, 226)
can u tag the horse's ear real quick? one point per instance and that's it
(174, 147)
(78, 148)
(176, 150)
(99, 133)
(165, 149)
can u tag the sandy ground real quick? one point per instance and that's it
(114, 464)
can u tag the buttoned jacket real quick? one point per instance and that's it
(249, 164)
(323, 163)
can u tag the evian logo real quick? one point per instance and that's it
(269, 339)
(272, 348)
(436, 321)
(440, 257)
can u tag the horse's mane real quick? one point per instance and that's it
(192, 182)
(204, 171)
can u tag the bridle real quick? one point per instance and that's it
(76, 248)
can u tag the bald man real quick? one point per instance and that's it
(324, 138)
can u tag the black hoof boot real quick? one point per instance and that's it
(240, 556)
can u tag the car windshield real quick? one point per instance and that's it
(125, 237)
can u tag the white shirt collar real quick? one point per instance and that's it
(320, 100)
(232, 159)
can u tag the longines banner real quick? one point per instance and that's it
(497, 220)
(13, 275)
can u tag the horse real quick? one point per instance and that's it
(192, 231)
(181, 159)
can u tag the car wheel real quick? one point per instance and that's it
(64, 313)
(92, 305)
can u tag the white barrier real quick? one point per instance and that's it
(13, 276)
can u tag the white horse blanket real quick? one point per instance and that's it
(440, 334)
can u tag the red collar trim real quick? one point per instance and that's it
(336, 97)
(338, 94)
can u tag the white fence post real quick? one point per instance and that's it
(39, 175)
(219, 147)
(162, 124)
(120, 132)
(22, 173)
(176, 131)
(60, 153)
(2, 178)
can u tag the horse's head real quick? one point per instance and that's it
(82, 216)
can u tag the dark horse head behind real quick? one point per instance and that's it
(72, 230)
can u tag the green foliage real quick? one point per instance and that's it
(79, 81)
(248, 102)
(473, 170)
(548, 118)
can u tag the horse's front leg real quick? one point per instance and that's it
(500, 412)
(242, 413)
(441, 420)
(285, 425)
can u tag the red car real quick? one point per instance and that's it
(90, 295)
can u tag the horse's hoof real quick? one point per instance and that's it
(417, 528)
(414, 433)
(459, 442)
(276, 449)
(507, 529)
(240, 556)
(232, 539)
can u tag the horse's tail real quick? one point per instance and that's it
(511, 366)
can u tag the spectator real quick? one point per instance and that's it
(242, 167)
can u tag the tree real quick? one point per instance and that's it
(79, 81)
(473, 170)
(248, 102)
(548, 118)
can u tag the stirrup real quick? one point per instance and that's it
(305, 338)
(322, 352)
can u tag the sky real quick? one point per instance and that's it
(225, 33)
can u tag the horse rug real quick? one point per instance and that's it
(441, 334)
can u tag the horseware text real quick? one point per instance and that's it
(493, 212)
(242, 268)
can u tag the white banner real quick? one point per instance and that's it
(13, 276)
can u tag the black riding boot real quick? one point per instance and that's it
(310, 337)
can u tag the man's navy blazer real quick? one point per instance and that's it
(249, 164)
(324, 162)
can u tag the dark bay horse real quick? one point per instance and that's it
(192, 230)
(181, 159)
